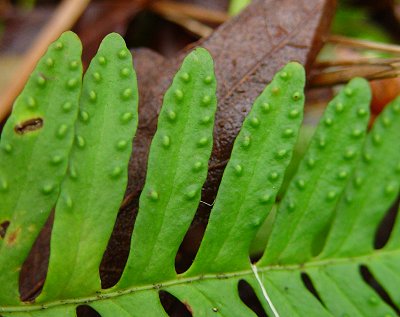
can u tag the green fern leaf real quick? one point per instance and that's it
(324, 229)
(106, 125)
(35, 145)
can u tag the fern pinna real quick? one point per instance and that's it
(69, 147)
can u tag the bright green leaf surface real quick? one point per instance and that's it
(97, 178)
(177, 169)
(306, 210)
(254, 174)
(35, 145)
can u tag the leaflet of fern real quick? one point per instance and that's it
(364, 205)
(177, 169)
(307, 208)
(94, 188)
(253, 176)
(35, 145)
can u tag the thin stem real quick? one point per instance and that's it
(356, 43)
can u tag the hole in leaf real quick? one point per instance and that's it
(117, 251)
(34, 269)
(310, 286)
(86, 311)
(191, 242)
(3, 229)
(29, 126)
(150, 30)
(173, 306)
(371, 281)
(385, 228)
(189, 247)
(250, 299)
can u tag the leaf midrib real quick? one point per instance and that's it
(180, 281)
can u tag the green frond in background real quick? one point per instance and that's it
(324, 226)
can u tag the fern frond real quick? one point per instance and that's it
(322, 240)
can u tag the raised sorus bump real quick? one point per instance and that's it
(202, 141)
(296, 96)
(348, 91)
(116, 172)
(273, 176)
(275, 90)
(171, 115)
(208, 80)
(123, 54)
(41, 81)
(166, 141)
(178, 94)
(122, 145)
(126, 117)
(197, 166)
(301, 184)
(254, 122)
(125, 72)
(62, 131)
(56, 159)
(50, 62)
(59, 45)
(32, 102)
(153, 195)
(80, 141)
(266, 198)
(331, 195)
(266, 107)
(68, 201)
(84, 116)
(92, 96)
(67, 106)
(206, 120)
(246, 141)
(377, 139)
(288, 133)
(191, 193)
(72, 83)
(362, 112)
(339, 107)
(357, 133)
(206, 100)
(281, 154)
(328, 121)
(47, 189)
(102, 60)
(7, 148)
(96, 77)
(343, 175)
(349, 154)
(3, 185)
(73, 65)
(294, 113)
(185, 77)
(238, 169)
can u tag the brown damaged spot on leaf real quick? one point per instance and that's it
(3, 229)
(13, 237)
(247, 51)
(29, 126)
